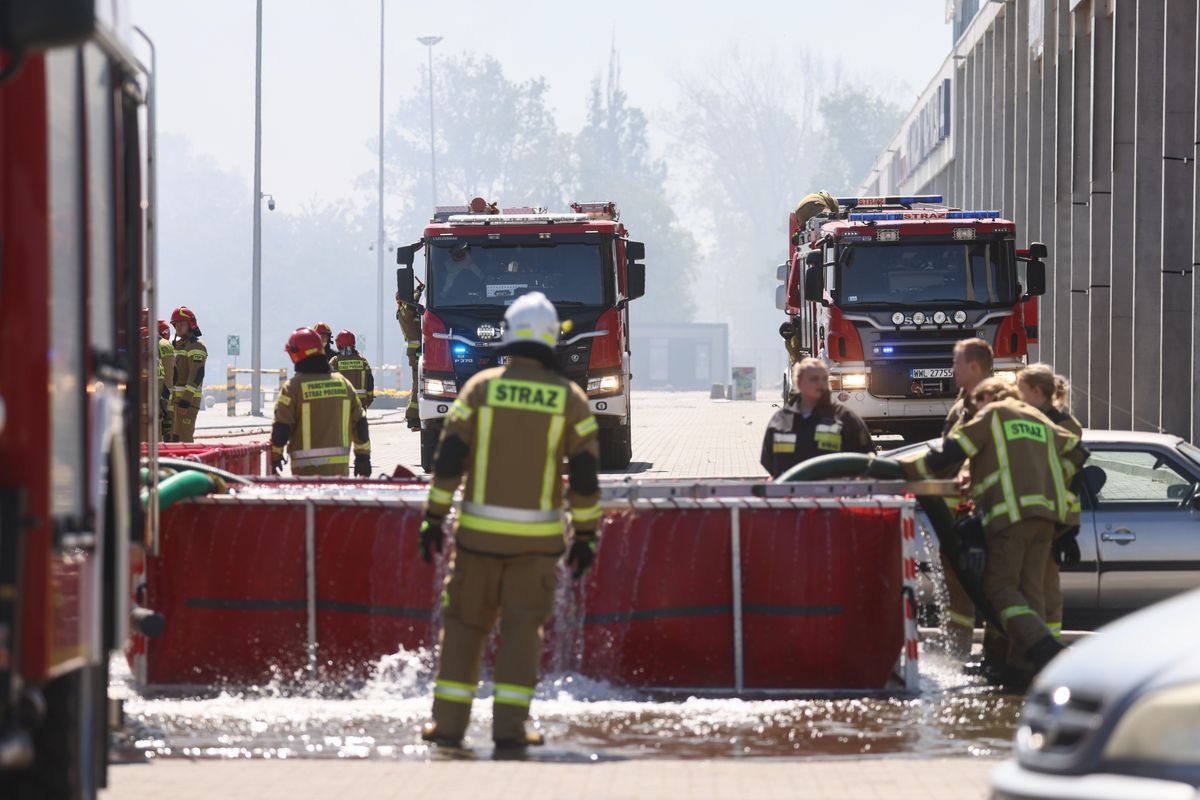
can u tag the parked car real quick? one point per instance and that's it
(1140, 534)
(1115, 717)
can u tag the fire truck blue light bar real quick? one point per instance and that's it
(893, 200)
(973, 215)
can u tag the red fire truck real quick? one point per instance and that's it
(72, 225)
(480, 258)
(882, 289)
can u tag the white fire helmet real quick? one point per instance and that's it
(531, 318)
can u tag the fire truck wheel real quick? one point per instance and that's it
(616, 447)
(429, 439)
(64, 748)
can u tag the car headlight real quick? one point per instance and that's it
(1006, 375)
(1163, 727)
(854, 380)
(609, 383)
(439, 386)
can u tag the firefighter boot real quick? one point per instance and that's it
(412, 414)
(468, 614)
(526, 605)
(1043, 652)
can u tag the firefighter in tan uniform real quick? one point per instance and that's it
(317, 416)
(326, 333)
(972, 365)
(408, 314)
(1048, 393)
(1021, 469)
(355, 367)
(190, 357)
(509, 431)
(166, 375)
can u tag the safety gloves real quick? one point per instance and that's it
(1066, 549)
(362, 465)
(277, 464)
(580, 556)
(433, 538)
(972, 547)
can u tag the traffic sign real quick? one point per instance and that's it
(233, 345)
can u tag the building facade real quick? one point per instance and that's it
(680, 356)
(1078, 120)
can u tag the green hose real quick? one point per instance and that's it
(862, 465)
(182, 486)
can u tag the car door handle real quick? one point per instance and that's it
(1120, 536)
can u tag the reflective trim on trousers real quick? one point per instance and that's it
(440, 497)
(1055, 629)
(320, 461)
(510, 514)
(454, 691)
(587, 514)
(488, 525)
(512, 695)
(1007, 614)
(961, 620)
(321, 451)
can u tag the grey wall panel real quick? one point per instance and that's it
(1121, 340)
(1047, 156)
(1081, 179)
(1100, 209)
(1063, 143)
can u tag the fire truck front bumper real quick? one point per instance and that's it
(879, 411)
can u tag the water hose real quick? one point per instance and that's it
(863, 465)
(179, 464)
(182, 486)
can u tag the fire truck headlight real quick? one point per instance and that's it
(960, 316)
(939, 317)
(854, 380)
(918, 318)
(440, 387)
(898, 318)
(609, 383)
(1006, 375)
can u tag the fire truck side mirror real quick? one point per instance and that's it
(405, 256)
(1038, 250)
(45, 23)
(405, 284)
(787, 330)
(635, 281)
(814, 284)
(635, 251)
(1035, 278)
(781, 298)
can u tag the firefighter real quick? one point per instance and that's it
(166, 374)
(408, 314)
(326, 334)
(317, 416)
(190, 357)
(1048, 393)
(812, 424)
(509, 431)
(462, 280)
(972, 365)
(1021, 464)
(355, 367)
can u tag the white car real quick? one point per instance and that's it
(1115, 717)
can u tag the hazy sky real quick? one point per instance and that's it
(321, 63)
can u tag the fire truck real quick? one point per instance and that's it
(73, 169)
(881, 290)
(480, 258)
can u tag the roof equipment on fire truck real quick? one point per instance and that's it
(598, 210)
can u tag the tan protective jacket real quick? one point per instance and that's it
(322, 412)
(357, 370)
(519, 423)
(190, 357)
(1021, 465)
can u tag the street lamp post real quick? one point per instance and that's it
(379, 241)
(256, 273)
(429, 42)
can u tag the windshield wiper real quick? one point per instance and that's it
(963, 301)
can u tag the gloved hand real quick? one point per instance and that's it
(1066, 549)
(972, 545)
(432, 538)
(362, 465)
(580, 556)
(277, 465)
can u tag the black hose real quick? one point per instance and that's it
(861, 465)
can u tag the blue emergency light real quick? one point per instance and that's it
(973, 215)
(460, 350)
(893, 200)
(888, 350)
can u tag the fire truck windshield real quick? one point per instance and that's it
(495, 273)
(981, 273)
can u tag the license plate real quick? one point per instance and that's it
(931, 373)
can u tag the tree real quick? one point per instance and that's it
(856, 125)
(613, 162)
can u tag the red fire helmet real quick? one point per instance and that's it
(323, 329)
(345, 339)
(183, 314)
(304, 342)
(164, 330)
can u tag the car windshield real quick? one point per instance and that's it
(496, 273)
(968, 274)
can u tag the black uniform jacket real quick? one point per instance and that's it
(830, 428)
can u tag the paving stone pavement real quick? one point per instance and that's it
(877, 779)
(675, 435)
